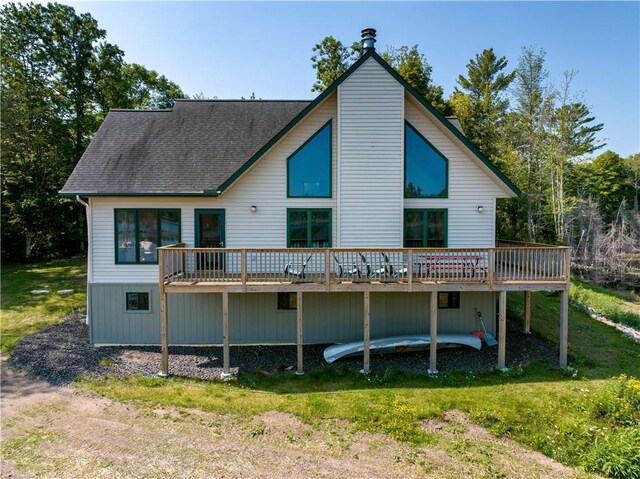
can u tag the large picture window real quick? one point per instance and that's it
(308, 228)
(425, 228)
(425, 168)
(309, 167)
(139, 232)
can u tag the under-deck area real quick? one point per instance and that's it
(509, 267)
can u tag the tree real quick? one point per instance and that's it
(481, 105)
(573, 136)
(606, 180)
(529, 131)
(330, 60)
(632, 165)
(413, 67)
(59, 79)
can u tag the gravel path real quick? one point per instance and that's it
(61, 352)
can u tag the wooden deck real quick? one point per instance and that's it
(528, 268)
(509, 267)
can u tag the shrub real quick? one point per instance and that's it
(617, 454)
(619, 403)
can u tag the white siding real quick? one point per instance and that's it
(264, 186)
(370, 158)
(469, 187)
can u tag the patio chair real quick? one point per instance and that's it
(290, 270)
(347, 273)
(385, 270)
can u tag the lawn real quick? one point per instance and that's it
(586, 416)
(24, 313)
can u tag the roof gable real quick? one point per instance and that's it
(456, 130)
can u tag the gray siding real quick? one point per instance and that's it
(196, 319)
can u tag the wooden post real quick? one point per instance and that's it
(365, 367)
(226, 372)
(410, 270)
(491, 260)
(164, 326)
(327, 268)
(564, 327)
(433, 348)
(502, 331)
(300, 370)
(527, 312)
(243, 269)
(164, 333)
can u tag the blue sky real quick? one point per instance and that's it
(230, 50)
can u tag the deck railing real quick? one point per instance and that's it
(359, 265)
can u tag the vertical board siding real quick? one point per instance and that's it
(264, 186)
(370, 158)
(469, 187)
(196, 319)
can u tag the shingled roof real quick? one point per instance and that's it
(191, 149)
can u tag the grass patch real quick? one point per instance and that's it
(24, 313)
(587, 417)
(606, 302)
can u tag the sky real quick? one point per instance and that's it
(231, 50)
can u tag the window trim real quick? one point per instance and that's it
(425, 226)
(309, 211)
(449, 302)
(139, 311)
(446, 166)
(137, 228)
(327, 124)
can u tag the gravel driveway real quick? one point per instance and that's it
(61, 352)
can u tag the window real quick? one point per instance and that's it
(425, 228)
(450, 300)
(425, 168)
(308, 228)
(287, 301)
(137, 302)
(309, 167)
(139, 232)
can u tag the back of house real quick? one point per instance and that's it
(367, 189)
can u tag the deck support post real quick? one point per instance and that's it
(226, 372)
(564, 327)
(433, 347)
(300, 370)
(365, 366)
(527, 312)
(164, 372)
(502, 331)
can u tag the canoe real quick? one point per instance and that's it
(397, 344)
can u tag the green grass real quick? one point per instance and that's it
(545, 408)
(24, 313)
(585, 416)
(612, 305)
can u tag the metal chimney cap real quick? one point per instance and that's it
(368, 39)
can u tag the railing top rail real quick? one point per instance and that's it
(180, 247)
(528, 244)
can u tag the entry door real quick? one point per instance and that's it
(210, 234)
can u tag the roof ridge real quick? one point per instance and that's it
(194, 100)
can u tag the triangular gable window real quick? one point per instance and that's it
(425, 169)
(309, 167)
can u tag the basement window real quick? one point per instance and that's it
(287, 301)
(137, 301)
(449, 300)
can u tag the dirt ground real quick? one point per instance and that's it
(61, 432)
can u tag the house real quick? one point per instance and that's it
(363, 213)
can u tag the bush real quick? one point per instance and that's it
(617, 454)
(619, 403)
